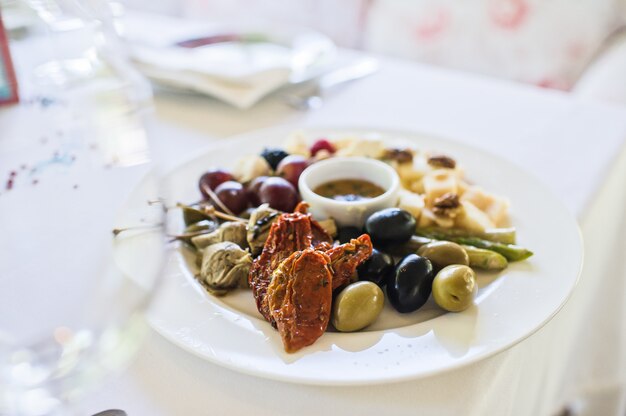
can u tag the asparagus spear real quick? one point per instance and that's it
(497, 235)
(485, 259)
(478, 257)
(511, 252)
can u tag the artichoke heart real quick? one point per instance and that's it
(229, 231)
(225, 266)
(259, 227)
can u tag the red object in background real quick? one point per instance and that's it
(7, 73)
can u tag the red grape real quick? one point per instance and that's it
(212, 179)
(291, 167)
(233, 195)
(322, 144)
(253, 190)
(279, 194)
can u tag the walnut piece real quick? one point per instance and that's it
(399, 155)
(447, 205)
(441, 161)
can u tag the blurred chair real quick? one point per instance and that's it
(568, 45)
(605, 78)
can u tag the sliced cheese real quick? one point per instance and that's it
(473, 219)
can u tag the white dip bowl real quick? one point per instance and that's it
(348, 213)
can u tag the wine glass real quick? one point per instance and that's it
(81, 223)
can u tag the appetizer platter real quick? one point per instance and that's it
(336, 256)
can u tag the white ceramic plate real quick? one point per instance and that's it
(510, 305)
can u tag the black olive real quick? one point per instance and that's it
(410, 285)
(274, 156)
(378, 268)
(391, 225)
(345, 234)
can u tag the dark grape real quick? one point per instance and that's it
(279, 194)
(212, 179)
(322, 144)
(291, 167)
(253, 190)
(233, 195)
(274, 156)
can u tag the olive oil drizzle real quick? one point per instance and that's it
(349, 190)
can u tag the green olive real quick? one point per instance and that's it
(455, 288)
(357, 306)
(444, 253)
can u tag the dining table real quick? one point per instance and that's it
(575, 364)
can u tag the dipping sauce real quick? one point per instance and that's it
(349, 190)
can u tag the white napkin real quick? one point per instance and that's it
(237, 74)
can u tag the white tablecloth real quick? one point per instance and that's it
(575, 147)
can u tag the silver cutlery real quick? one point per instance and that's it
(309, 96)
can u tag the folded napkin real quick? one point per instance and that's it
(239, 73)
